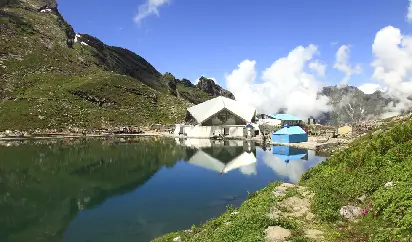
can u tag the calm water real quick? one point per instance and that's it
(131, 189)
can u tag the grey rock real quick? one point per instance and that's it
(210, 87)
(177, 239)
(277, 234)
(362, 198)
(350, 212)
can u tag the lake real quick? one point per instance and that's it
(131, 189)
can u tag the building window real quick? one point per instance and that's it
(226, 131)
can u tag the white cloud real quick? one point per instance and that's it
(409, 14)
(149, 8)
(369, 88)
(285, 84)
(319, 67)
(393, 65)
(342, 63)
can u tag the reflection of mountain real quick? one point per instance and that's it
(287, 161)
(44, 186)
(222, 156)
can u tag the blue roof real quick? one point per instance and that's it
(287, 117)
(291, 130)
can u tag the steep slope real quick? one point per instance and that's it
(50, 77)
(373, 174)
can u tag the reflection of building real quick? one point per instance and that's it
(292, 170)
(292, 134)
(287, 153)
(217, 117)
(222, 156)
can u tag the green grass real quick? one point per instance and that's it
(363, 169)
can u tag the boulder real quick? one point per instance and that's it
(350, 212)
(276, 234)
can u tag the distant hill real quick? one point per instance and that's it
(349, 104)
(51, 77)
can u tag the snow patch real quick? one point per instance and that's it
(83, 43)
(46, 10)
(76, 37)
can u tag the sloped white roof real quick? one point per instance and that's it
(205, 110)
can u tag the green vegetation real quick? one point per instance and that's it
(370, 162)
(46, 185)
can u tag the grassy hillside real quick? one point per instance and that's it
(377, 168)
(49, 81)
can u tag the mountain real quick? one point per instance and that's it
(349, 104)
(51, 77)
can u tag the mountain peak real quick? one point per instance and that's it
(34, 4)
(209, 86)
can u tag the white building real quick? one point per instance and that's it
(217, 117)
(279, 120)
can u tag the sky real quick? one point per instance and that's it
(269, 53)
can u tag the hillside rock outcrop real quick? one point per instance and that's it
(210, 87)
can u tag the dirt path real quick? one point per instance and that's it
(293, 210)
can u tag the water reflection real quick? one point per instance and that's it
(45, 185)
(289, 162)
(223, 157)
(131, 189)
(226, 156)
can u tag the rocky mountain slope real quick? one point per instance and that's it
(51, 77)
(349, 104)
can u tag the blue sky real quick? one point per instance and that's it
(193, 38)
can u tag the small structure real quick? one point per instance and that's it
(287, 119)
(218, 117)
(265, 119)
(249, 130)
(290, 134)
(312, 120)
(345, 130)
(287, 153)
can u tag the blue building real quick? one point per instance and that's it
(290, 134)
(287, 153)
